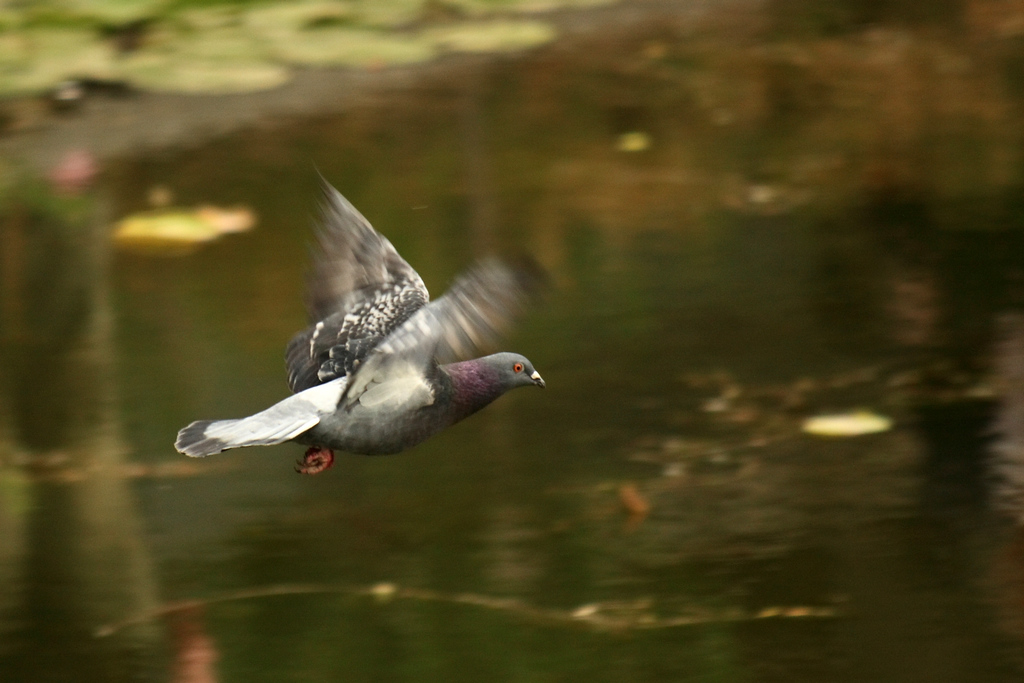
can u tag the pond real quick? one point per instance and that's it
(748, 221)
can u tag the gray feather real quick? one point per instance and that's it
(353, 261)
(280, 422)
(467, 319)
(359, 290)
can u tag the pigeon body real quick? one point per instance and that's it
(382, 368)
(422, 407)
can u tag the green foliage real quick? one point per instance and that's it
(237, 46)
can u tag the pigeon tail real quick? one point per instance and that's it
(206, 437)
(280, 422)
(193, 442)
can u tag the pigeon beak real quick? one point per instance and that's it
(537, 379)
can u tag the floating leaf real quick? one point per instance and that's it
(36, 59)
(492, 36)
(221, 60)
(633, 141)
(762, 194)
(634, 503)
(171, 227)
(585, 611)
(237, 219)
(347, 46)
(166, 72)
(296, 16)
(847, 424)
(389, 14)
(486, 6)
(112, 11)
(179, 230)
(383, 591)
(211, 18)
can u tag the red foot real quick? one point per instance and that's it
(315, 461)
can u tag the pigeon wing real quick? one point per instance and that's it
(469, 317)
(359, 291)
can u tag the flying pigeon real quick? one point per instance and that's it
(381, 367)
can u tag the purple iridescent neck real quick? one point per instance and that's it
(474, 385)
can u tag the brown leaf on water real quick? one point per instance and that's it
(635, 504)
(655, 50)
(195, 653)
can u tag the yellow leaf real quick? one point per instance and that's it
(847, 424)
(179, 230)
(635, 141)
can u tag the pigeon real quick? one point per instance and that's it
(381, 367)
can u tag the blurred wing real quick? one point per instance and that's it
(469, 317)
(359, 290)
(353, 262)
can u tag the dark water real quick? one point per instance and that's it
(824, 219)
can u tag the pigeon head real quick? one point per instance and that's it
(513, 370)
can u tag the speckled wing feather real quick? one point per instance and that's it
(468, 318)
(359, 290)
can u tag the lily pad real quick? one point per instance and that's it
(387, 14)
(229, 43)
(480, 7)
(204, 76)
(212, 18)
(491, 36)
(10, 19)
(110, 11)
(847, 424)
(353, 47)
(36, 59)
(297, 16)
(216, 61)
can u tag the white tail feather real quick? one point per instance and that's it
(280, 422)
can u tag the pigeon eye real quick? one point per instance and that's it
(518, 367)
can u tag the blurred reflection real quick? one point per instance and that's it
(1008, 424)
(13, 503)
(195, 652)
(71, 547)
(1007, 465)
(477, 161)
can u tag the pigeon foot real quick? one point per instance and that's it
(315, 461)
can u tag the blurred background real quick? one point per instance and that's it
(783, 435)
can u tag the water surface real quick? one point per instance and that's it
(820, 220)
